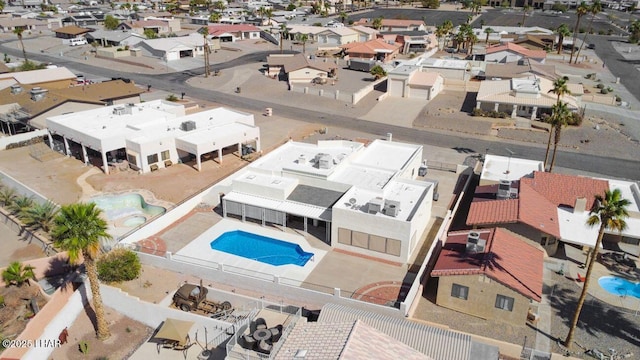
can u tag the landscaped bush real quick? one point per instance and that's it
(618, 98)
(575, 119)
(491, 114)
(118, 265)
(600, 86)
(604, 91)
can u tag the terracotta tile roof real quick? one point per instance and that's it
(362, 336)
(507, 259)
(535, 54)
(563, 189)
(493, 212)
(369, 47)
(537, 211)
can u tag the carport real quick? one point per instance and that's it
(217, 138)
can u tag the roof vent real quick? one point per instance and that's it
(474, 243)
(324, 161)
(188, 125)
(16, 89)
(301, 159)
(507, 189)
(375, 205)
(38, 93)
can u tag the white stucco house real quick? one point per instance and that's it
(176, 48)
(152, 135)
(409, 81)
(361, 199)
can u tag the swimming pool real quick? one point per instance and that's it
(619, 286)
(261, 248)
(132, 205)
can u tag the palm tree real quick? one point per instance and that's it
(378, 72)
(18, 31)
(610, 213)
(20, 204)
(581, 10)
(560, 88)
(440, 32)
(594, 9)
(343, 16)
(560, 116)
(525, 9)
(7, 195)
(563, 31)
(40, 216)
(377, 23)
(487, 31)
(78, 229)
(303, 38)
(283, 31)
(634, 32)
(18, 274)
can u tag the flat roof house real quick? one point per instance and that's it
(359, 199)
(152, 135)
(409, 81)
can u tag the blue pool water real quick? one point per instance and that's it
(261, 248)
(120, 206)
(619, 286)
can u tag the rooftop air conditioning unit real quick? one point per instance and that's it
(474, 243)
(188, 125)
(375, 205)
(504, 189)
(38, 93)
(325, 161)
(16, 89)
(391, 208)
(301, 159)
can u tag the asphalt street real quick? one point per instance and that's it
(626, 70)
(175, 83)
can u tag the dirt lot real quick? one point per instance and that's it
(16, 312)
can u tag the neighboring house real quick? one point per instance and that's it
(83, 19)
(502, 171)
(377, 49)
(71, 32)
(514, 70)
(490, 273)
(388, 25)
(417, 44)
(298, 68)
(153, 135)
(434, 342)
(364, 33)
(54, 78)
(115, 37)
(365, 200)
(175, 48)
(172, 23)
(453, 69)
(510, 52)
(33, 104)
(233, 33)
(158, 27)
(323, 34)
(27, 4)
(524, 97)
(8, 25)
(536, 41)
(408, 81)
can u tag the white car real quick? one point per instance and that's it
(78, 41)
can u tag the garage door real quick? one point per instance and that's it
(173, 55)
(334, 40)
(419, 93)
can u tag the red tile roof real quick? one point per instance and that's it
(535, 54)
(565, 189)
(369, 47)
(507, 259)
(537, 203)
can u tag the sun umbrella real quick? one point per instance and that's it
(176, 330)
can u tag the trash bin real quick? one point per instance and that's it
(268, 111)
(422, 171)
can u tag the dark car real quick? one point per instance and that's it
(591, 46)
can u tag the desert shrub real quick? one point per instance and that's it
(604, 91)
(618, 98)
(172, 97)
(477, 112)
(23, 143)
(119, 265)
(600, 86)
(575, 119)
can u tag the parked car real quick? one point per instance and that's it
(591, 46)
(78, 41)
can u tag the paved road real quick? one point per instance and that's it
(625, 69)
(175, 83)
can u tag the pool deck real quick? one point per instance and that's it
(199, 251)
(575, 257)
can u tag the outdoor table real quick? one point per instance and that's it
(262, 334)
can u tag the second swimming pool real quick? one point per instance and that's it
(261, 248)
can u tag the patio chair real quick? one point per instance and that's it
(580, 278)
(276, 333)
(261, 323)
(248, 342)
(264, 347)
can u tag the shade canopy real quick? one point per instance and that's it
(176, 330)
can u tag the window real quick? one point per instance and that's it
(543, 240)
(165, 155)
(152, 159)
(132, 159)
(459, 291)
(504, 302)
(552, 240)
